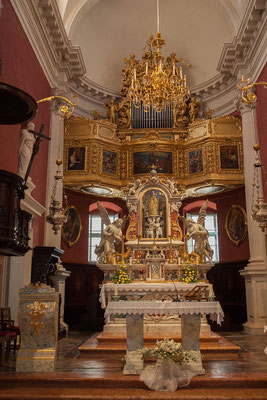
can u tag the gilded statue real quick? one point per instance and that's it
(179, 114)
(193, 109)
(153, 205)
(112, 111)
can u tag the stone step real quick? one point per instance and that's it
(48, 393)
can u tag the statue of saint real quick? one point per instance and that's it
(153, 205)
(193, 109)
(27, 140)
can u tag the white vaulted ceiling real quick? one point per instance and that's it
(107, 31)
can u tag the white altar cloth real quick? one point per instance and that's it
(213, 308)
(165, 287)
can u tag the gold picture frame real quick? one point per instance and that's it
(71, 230)
(236, 224)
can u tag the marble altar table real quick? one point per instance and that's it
(157, 325)
(191, 320)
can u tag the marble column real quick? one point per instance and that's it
(255, 274)
(58, 280)
(135, 341)
(190, 339)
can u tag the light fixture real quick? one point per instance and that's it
(152, 82)
(247, 89)
(258, 206)
(56, 216)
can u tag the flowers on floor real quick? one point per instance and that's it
(168, 348)
(121, 275)
(189, 275)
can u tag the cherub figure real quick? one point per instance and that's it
(112, 111)
(150, 227)
(193, 109)
(199, 233)
(112, 234)
(158, 227)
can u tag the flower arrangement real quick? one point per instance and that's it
(189, 274)
(121, 276)
(167, 348)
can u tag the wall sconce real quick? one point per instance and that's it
(56, 216)
(247, 90)
(258, 207)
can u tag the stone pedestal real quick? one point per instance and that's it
(38, 320)
(135, 340)
(58, 280)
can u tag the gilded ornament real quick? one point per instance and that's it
(36, 314)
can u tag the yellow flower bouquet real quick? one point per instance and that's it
(121, 275)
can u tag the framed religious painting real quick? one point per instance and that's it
(76, 158)
(72, 228)
(236, 224)
(195, 161)
(229, 158)
(109, 162)
(145, 161)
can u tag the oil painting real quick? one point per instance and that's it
(236, 224)
(145, 161)
(71, 230)
(229, 157)
(195, 161)
(109, 163)
(76, 158)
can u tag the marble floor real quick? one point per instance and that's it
(243, 378)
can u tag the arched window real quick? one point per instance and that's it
(96, 225)
(191, 211)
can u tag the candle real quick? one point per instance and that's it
(197, 261)
(131, 260)
(115, 290)
(181, 74)
(173, 69)
(211, 292)
(146, 68)
(185, 80)
(179, 261)
(135, 74)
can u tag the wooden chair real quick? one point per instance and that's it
(7, 324)
(7, 338)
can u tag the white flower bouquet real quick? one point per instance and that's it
(171, 369)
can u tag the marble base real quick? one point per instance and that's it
(134, 364)
(135, 341)
(36, 360)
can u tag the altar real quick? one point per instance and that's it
(190, 313)
(151, 261)
(154, 323)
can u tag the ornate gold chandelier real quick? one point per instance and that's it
(152, 81)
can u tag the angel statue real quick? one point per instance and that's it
(112, 234)
(199, 233)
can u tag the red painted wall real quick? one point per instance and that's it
(262, 124)
(78, 253)
(22, 69)
(228, 251)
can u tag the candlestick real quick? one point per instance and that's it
(171, 259)
(138, 249)
(115, 290)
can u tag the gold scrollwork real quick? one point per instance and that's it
(36, 314)
(248, 96)
(66, 109)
